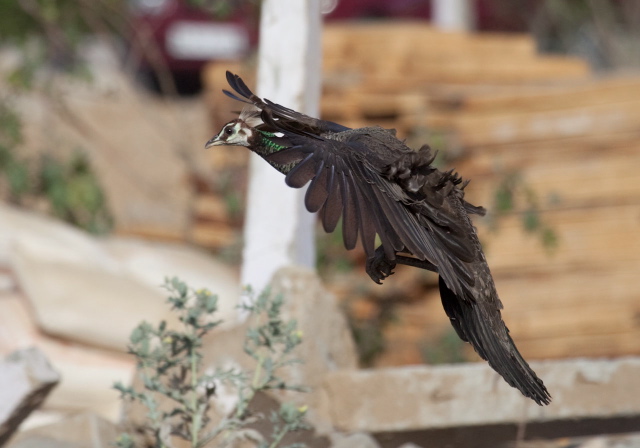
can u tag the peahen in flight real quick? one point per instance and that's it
(379, 186)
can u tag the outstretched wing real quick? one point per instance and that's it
(346, 180)
(287, 118)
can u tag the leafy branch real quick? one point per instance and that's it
(514, 195)
(170, 365)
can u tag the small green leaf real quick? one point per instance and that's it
(124, 440)
(137, 335)
(504, 200)
(531, 220)
(549, 238)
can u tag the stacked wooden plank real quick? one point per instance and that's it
(578, 150)
(490, 116)
(580, 299)
(386, 72)
(411, 52)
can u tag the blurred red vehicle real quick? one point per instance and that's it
(177, 37)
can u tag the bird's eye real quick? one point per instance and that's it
(229, 131)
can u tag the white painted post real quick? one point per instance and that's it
(453, 15)
(278, 230)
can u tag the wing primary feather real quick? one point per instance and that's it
(349, 214)
(332, 209)
(302, 172)
(317, 192)
(366, 221)
(403, 226)
(389, 239)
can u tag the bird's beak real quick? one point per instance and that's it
(214, 142)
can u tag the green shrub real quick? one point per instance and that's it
(170, 364)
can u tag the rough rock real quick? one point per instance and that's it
(447, 396)
(357, 440)
(83, 301)
(149, 261)
(327, 342)
(7, 282)
(143, 148)
(26, 378)
(87, 373)
(17, 329)
(54, 240)
(87, 378)
(95, 292)
(80, 431)
(266, 405)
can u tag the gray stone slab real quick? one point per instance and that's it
(357, 440)
(26, 378)
(79, 431)
(432, 397)
(95, 291)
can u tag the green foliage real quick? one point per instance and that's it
(223, 9)
(47, 34)
(170, 365)
(369, 339)
(10, 130)
(604, 32)
(74, 193)
(513, 195)
(368, 332)
(331, 255)
(53, 20)
(69, 188)
(448, 349)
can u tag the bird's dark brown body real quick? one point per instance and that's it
(379, 186)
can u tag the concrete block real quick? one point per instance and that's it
(432, 397)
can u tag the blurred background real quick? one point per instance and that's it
(105, 107)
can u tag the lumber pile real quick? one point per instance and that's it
(572, 137)
(383, 53)
(502, 108)
(386, 73)
(580, 300)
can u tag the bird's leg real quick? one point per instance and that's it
(422, 264)
(379, 266)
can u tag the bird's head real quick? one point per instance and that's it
(235, 133)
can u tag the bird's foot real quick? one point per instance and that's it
(379, 266)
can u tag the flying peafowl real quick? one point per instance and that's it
(379, 186)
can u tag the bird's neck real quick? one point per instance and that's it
(263, 145)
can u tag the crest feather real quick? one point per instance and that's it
(251, 115)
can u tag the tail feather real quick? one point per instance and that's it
(480, 324)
